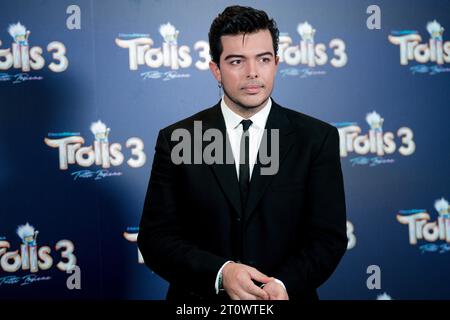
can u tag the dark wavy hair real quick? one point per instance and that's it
(239, 20)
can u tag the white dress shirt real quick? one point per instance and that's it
(235, 130)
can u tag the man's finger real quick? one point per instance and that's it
(259, 276)
(257, 291)
(247, 296)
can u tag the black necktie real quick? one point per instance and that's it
(244, 163)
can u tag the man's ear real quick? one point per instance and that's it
(215, 70)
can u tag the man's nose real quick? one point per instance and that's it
(252, 71)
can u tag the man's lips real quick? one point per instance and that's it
(252, 88)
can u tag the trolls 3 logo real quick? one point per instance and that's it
(350, 235)
(141, 51)
(411, 48)
(34, 258)
(421, 228)
(102, 153)
(376, 141)
(131, 235)
(22, 56)
(308, 52)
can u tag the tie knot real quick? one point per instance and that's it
(246, 124)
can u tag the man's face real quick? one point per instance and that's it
(247, 69)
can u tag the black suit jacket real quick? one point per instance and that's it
(293, 227)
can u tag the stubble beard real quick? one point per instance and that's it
(246, 109)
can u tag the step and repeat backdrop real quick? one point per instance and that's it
(85, 86)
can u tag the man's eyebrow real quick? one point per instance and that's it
(230, 56)
(265, 54)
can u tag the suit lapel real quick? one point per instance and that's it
(258, 183)
(225, 173)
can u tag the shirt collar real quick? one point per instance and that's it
(232, 119)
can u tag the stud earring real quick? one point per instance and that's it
(219, 85)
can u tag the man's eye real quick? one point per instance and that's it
(265, 59)
(236, 62)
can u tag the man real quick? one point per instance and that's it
(227, 230)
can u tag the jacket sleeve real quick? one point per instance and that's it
(160, 239)
(325, 239)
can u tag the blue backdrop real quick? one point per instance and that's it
(85, 87)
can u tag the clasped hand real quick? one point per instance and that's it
(239, 283)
